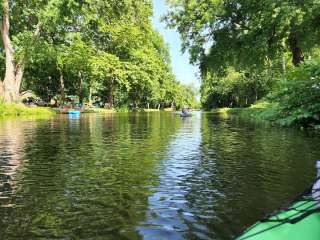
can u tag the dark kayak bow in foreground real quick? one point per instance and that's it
(300, 220)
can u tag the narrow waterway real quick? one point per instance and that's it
(146, 175)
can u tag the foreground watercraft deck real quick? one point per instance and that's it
(299, 221)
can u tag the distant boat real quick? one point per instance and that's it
(188, 114)
(73, 112)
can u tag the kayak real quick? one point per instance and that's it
(73, 112)
(300, 219)
(185, 114)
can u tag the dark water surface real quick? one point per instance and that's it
(146, 176)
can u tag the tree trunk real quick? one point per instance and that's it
(148, 105)
(10, 87)
(284, 68)
(110, 93)
(80, 88)
(297, 54)
(256, 94)
(62, 92)
(90, 94)
(1, 88)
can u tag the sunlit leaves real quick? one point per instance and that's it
(244, 32)
(97, 47)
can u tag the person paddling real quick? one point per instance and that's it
(184, 110)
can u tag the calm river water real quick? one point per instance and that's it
(146, 176)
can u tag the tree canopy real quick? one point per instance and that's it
(245, 32)
(246, 50)
(104, 51)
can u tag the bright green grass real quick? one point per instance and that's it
(260, 111)
(150, 110)
(99, 110)
(22, 110)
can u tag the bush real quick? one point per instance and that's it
(298, 97)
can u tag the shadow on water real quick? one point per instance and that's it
(85, 177)
(246, 170)
(221, 174)
(146, 175)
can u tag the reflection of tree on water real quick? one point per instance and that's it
(129, 176)
(13, 137)
(220, 174)
(89, 177)
(168, 213)
(244, 171)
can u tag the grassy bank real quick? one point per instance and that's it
(99, 110)
(22, 110)
(260, 111)
(270, 112)
(150, 110)
(124, 109)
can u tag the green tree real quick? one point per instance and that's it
(246, 31)
(84, 48)
(107, 68)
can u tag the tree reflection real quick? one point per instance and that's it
(88, 177)
(246, 169)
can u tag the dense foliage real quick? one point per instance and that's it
(298, 98)
(233, 88)
(246, 32)
(247, 50)
(99, 51)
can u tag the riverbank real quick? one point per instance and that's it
(99, 110)
(22, 110)
(259, 111)
(271, 112)
(103, 110)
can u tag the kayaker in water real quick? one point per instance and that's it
(184, 110)
(316, 186)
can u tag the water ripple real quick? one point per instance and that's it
(148, 175)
